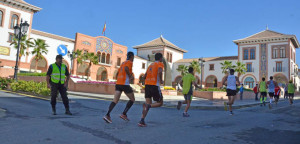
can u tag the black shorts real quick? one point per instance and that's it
(276, 96)
(230, 92)
(126, 88)
(152, 91)
(291, 95)
(271, 94)
(263, 93)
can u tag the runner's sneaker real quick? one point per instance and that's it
(185, 115)
(124, 117)
(264, 103)
(231, 113)
(142, 124)
(225, 106)
(270, 107)
(179, 105)
(107, 119)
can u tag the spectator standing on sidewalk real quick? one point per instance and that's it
(286, 91)
(241, 91)
(255, 90)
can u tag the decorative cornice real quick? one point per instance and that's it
(22, 5)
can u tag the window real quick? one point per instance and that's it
(249, 67)
(211, 67)
(249, 81)
(170, 57)
(252, 53)
(275, 52)
(278, 66)
(119, 62)
(143, 65)
(10, 37)
(103, 58)
(108, 59)
(245, 54)
(1, 17)
(14, 21)
(282, 52)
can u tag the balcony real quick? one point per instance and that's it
(106, 64)
(250, 70)
(279, 69)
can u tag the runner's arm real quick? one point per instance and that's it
(181, 83)
(127, 72)
(160, 70)
(195, 84)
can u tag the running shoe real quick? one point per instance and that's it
(107, 119)
(68, 112)
(142, 124)
(225, 106)
(124, 117)
(231, 113)
(185, 115)
(270, 107)
(179, 105)
(264, 103)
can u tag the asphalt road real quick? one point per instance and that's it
(29, 121)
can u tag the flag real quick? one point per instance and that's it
(104, 28)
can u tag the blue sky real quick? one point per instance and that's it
(206, 28)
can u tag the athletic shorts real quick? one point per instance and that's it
(291, 95)
(188, 96)
(271, 94)
(263, 93)
(153, 91)
(126, 88)
(276, 96)
(230, 92)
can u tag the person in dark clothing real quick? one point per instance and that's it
(57, 79)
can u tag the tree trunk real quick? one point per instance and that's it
(36, 62)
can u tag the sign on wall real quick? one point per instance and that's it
(62, 50)
(4, 50)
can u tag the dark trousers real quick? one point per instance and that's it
(256, 96)
(241, 95)
(63, 92)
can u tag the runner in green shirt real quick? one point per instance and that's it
(291, 91)
(263, 91)
(187, 90)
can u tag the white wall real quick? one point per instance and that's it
(137, 67)
(176, 55)
(4, 31)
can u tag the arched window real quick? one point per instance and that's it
(1, 17)
(14, 21)
(107, 58)
(103, 58)
(249, 81)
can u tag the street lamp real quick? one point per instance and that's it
(19, 32)
(72, 56)
(201, 63)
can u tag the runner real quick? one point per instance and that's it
(124, 76)
(271, 89)
(277, 94)
(153, 79)
(263, 92)
(186, 83)
(291, 91)
(255, 90)
(231, 82)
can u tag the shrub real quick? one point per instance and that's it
(39, 88)
(214, 89)
(4, 82)
(32, 74)
(169, 88)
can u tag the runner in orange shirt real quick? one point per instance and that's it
(124, 76)
(153, 78)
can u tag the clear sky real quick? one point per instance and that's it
(206, 28)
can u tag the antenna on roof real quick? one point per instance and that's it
(267, 28)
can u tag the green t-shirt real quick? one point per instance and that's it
(262, 86)
(291, 88)
(187, 82)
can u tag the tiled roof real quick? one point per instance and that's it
(267, 34)
(22, 4)
(208, 59)
(159, 42)
(49, 35)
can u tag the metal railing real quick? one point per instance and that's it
(278, 69)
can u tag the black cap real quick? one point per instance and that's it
(59, 56)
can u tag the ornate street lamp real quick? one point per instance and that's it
(201, 63)
(19, 32)
(72, 56)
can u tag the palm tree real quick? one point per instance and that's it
(92, 59)
(24, 45)
(39, 48)
(183, 69)
(240, 68)
(195, 65)
(225, 66)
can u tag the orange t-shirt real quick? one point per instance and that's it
(123, 78)
(152, 73)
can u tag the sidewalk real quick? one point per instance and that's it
(171, 101)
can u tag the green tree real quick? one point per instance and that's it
(91, 58)
(240, 68)
(39, 48)
(183, 69)
(226, 65)
(195, 65)
(25, 44)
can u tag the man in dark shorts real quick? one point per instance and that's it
(124, 76)
(153, 79)
(231, 81)
(291, 91)
(263, 91)
(277, 94)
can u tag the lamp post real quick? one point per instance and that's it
(19, 32)
(201, 61)
(72, 56)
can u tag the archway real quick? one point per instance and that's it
(41, 64)
(104, 76)
(249, 81)
(82, 69)
(280, 79)
(101, 74)
(211, 81)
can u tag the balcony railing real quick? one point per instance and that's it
(282, 69)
